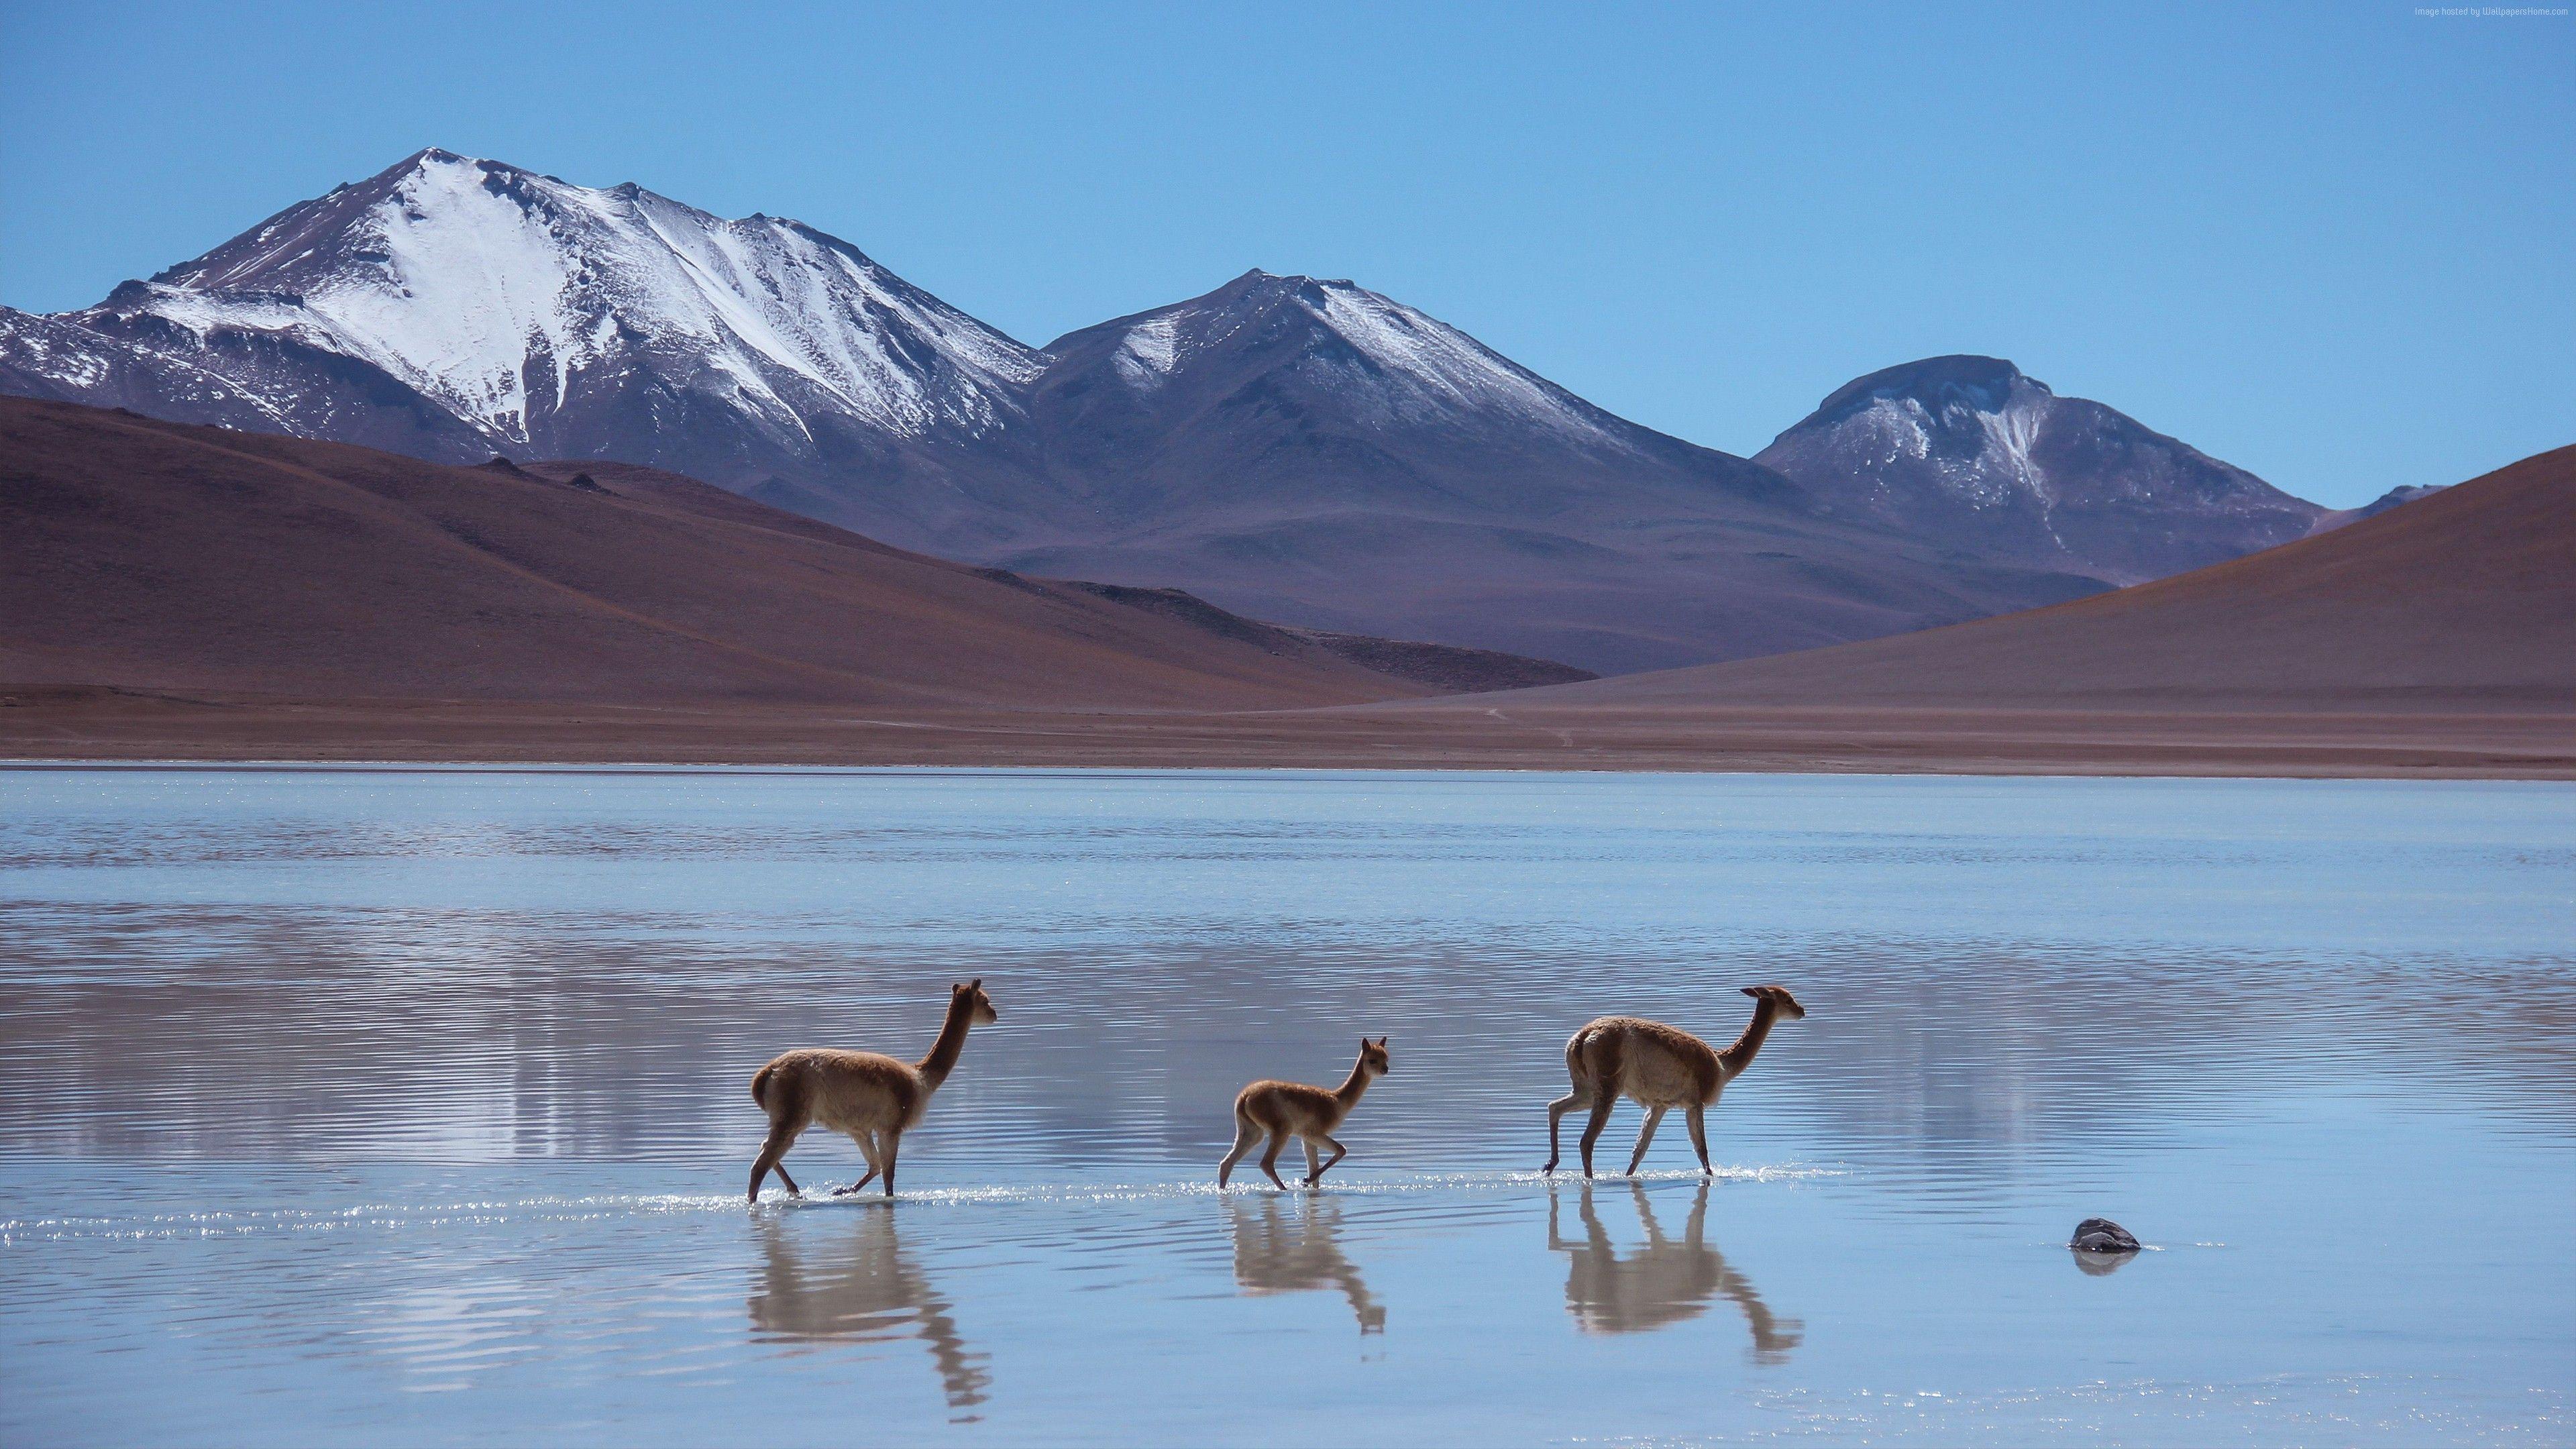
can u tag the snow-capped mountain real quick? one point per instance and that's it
(518, 313)
(1387, 364)
(1970, 453)
(1296, 395)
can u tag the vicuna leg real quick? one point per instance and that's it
(1246, 1132)
(1556, 1111)
(867, 1148)
(1698, 1119)
(1654, 1119)
(1270, 1159)
(781, 1137)
(892, 1139)
(1601, 1104)
(1314, 1167)
(1316, 1174)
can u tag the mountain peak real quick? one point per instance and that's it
(1378, 358)
(1284, 284)
(1972, 452)
(1981, 384)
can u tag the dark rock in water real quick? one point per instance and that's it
(2101, 1235)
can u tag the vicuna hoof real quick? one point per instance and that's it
(2101, 1235)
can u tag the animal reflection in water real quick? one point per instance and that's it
(1292, 1249)
(855, 1282)
(1661, 1283)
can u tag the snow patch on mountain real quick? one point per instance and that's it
(1150, 351)
(1452, 367)
(2011, 432)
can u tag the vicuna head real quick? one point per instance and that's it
(1779, 997)
(979, 1007)
(1373, 1056)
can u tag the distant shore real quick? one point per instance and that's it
(109, 725)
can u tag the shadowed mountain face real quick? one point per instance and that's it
(1969, 453)
(1301, 450)
(153, 556)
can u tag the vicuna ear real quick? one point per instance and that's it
(1753, 991)
(975, 985)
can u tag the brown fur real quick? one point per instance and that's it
(1281, 1110)
(1659, 1067)
(874, 1099)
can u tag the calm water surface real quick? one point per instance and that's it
(411, 1106)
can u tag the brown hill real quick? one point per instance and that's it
(169, 592)
(144, 556)
(2463, 601)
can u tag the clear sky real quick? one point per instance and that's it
(2334, 244)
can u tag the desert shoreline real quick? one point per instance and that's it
(87, 727)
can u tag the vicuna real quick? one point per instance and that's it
(1293, 1109)
(1659, 1067)
(874, 1099)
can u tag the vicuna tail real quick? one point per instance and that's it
(760, 1085)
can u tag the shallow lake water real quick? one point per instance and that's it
(411, 1106)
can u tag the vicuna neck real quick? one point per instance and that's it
(935, 1067)
(1355, 1084)
(1739, 1056)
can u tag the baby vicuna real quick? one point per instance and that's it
(1292, 1109)
(1661, 1067)
(873, 1098)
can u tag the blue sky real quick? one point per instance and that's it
(2334, 244)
